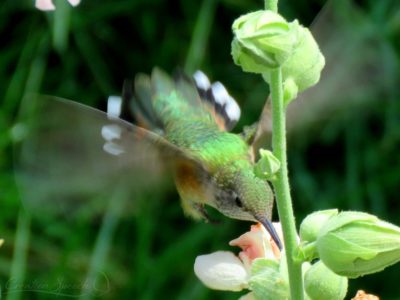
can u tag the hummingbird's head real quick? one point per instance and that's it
(241, 195)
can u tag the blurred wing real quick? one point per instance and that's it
(354, 72)
(73, 153)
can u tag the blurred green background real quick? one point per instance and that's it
(343, 143)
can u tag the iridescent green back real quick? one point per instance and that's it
(189, 123)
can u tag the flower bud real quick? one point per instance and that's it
(266, 281)
(263, 40)
(303, 68)
(319, 280)
(311, 225)
(353, 244)
(267, 166)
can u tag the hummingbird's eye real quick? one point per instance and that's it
(238, 202)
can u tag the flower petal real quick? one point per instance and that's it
(221, 270)
(74, 2)
(45, 5)
(257, 243)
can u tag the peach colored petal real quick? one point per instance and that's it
(361, 295)
(251, 242)
(257, 243)
(45, 5)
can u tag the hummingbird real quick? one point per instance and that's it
(189, 120)
(182, 123)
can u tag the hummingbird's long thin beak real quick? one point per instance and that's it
(271, 230)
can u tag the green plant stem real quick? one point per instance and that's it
(281, 185)
(61, 25)
(307, 252)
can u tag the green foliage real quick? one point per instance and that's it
(347, 160)
(266, 280)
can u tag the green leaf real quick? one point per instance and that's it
(266, 282)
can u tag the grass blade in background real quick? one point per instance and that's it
(20, 257)
(201, 33)
(103, 243)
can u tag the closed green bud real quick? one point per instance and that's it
(263, 40)
(266, 281)
(320, 282)
(303, 68)
(267, 166)
(311, 225)
(353, 244)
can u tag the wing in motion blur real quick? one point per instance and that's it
(73, 152)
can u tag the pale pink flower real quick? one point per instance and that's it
(257, 243)
(47, 5)
(223, 270)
